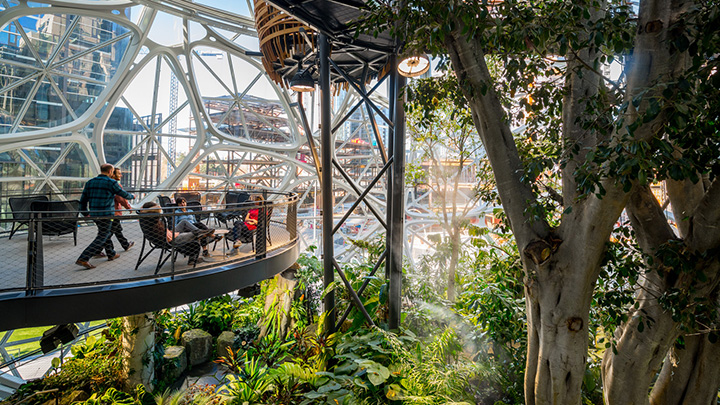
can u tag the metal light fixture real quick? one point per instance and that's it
(414, 65)
(53, 337)
(302, 81)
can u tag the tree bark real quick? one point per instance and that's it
(644, 340)
(560, 267)
(138, 342)
(454, 257)
(580, 86)
(690, 376)
(278, 303)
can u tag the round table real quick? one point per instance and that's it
(222, 232)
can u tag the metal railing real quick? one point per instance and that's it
(43, 254)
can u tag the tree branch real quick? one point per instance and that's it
(488, 114)
(684, 196)
(705, 229)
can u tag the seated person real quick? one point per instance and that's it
(242, 231)
(188, 223)
(186, 243)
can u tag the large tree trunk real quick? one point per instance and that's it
(561, 267)
(644, 340)
(138, 342)
(278, 303)
(690, 376)
(454, 258)
(557, 331)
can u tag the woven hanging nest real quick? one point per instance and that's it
(280, 38)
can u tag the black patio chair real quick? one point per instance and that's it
(232, 200)
(58, 217)
(156, 240)
(188, 196)
(167, 205)
(20, 208)
(198, 211)
(251, 239)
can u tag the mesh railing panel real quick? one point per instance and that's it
(144, 243)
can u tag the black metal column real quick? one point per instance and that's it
(392, 83)
(397, 203)
(327, 185)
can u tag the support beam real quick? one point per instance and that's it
(327, 184)
(396, 207)
(308, 135)
(390, 142)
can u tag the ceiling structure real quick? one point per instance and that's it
(362, 56)
(171, 90)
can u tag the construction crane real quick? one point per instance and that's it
(173, 122)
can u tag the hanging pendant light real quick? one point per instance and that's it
(302, 81)
(414, 65)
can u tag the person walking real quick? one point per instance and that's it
(120, 204)
(97, 201)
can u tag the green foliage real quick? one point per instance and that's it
(428, 281)
(688, 105)
(269, 350)
(310, 269)
(373, 248)
(616, 285)
(194, 395)
(113, 396)
(249, 384)
(93, 346)
(493, 301)
(95, 367)
(377, 367)
(214, 316)
(312, 350)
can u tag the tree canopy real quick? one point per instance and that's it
(572, 148)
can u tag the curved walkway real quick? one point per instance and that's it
(63, 292)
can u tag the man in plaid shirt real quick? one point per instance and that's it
(99, 196)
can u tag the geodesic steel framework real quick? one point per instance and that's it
(89, 82)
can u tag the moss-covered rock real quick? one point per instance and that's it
(175, 362)
(198, 346)
(225, 342)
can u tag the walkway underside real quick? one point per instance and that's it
(66, 305)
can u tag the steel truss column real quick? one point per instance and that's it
(327, 183)
(397, 203)
(391, 141)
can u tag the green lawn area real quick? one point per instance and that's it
(29, 333)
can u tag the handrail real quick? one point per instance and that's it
(285, 213)
(206, 208)
(78, 191)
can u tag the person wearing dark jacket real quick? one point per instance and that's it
(98, 201)
(120, 204)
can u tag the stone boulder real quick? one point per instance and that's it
(198, 346)
(175, 362)
(225, 342)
